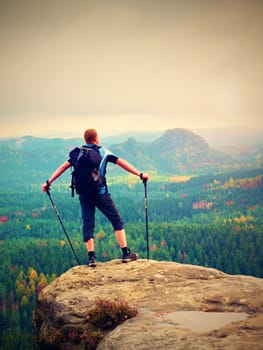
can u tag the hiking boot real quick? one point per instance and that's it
(91, 261)
(129, 256)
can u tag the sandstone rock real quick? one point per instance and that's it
(160, 291)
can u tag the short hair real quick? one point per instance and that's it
(90, 135)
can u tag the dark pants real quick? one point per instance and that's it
(106, 205)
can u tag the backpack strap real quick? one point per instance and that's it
(72, 186)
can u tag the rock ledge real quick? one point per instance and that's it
(158, 290)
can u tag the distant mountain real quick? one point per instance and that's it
(177, 151)
(181, 151)
(143, 136)
(224, 136)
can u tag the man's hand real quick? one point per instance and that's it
(45, 187)
(144, 177)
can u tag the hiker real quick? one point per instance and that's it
(101, 199)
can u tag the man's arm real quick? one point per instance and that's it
(59, 171)
(131, 169)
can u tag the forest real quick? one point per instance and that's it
(213, 220)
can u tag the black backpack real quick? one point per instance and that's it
(86, 179)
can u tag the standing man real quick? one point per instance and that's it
(101, 200)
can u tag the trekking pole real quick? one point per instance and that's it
(146, 215)
(59, 218)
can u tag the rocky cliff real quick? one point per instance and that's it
(177, 306)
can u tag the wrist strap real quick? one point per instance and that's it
(141, 176)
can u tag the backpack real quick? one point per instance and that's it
(85, 179)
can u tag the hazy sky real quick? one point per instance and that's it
(129, 65)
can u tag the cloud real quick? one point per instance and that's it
(128, 60)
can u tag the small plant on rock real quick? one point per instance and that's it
(108, 314)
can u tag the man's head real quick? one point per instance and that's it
(91, 136)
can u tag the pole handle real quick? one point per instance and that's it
(48, 187)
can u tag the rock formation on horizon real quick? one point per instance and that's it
(178, 307)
